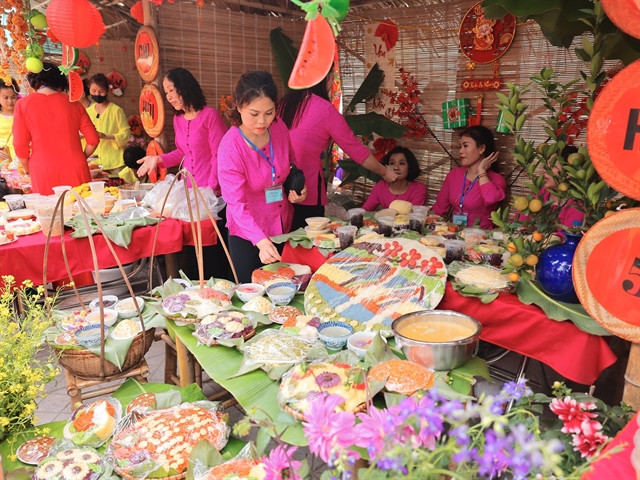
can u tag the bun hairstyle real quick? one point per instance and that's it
(250, 86)
(50, 76)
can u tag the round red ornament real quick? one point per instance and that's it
(75, 22)
(147, 54)
(151, 110)
(484, 40)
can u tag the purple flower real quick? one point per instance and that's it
(516, 390)
(373, 430)
(279, 465)
(327, 429)
(327, 379)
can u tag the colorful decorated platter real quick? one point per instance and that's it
(34, 450)
(224, 326)
(276, 272)
(376, 281)
(305, 382)
(71, 464)
(192, 305)
(402, 376)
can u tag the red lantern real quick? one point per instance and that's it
(75, 22)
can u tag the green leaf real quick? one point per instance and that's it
(262, 439)
(284, 53)
(368, 89)
(372, 122)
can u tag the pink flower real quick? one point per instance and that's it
(572, 413)
(373, 430)
(327, 429)
(589, 439)
(279, 465)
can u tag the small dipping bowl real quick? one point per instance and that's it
(89, 336)
(110, 317)
(317, 223)
(281, 293)
(438, 339)
(247, 291)
(334, 334)
(109, 301)
(359, 342)
(127, 309)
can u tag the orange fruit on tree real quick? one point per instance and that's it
(512, 247)
(563, 187)
(537, 236)
(535, 205)
(520, 203)
(516, 260)
(514, 277)
(531, 260)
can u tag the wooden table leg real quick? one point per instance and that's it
(171, 265)
(185, 364)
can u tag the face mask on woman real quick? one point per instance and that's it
(99, 98)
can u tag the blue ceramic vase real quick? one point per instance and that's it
(553, 271)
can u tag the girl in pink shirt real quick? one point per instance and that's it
(471, 192)
(253, 163)
(404, 163)
(313, 124)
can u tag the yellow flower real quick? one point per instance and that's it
(4, 421)
(27, 283)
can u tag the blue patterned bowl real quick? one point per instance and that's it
(334, 334)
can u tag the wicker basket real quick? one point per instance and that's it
(85, 364)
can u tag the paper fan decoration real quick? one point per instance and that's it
(117, 83)
(137, 11)
(387, 31)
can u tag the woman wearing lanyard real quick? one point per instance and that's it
(253, 162)
(472, 191)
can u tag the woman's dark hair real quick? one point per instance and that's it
(13, 85)
(50, 76)
(293, 104)
(482, 136)
(101, 80)
(412, 161)
(187, 87)
(86, 85)
(250, 86)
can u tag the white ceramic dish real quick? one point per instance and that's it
(110, 317)
(109, 301)
(247, 291)
(126, 308)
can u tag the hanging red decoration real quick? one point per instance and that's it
(75, 22)
(137, 12)
(388, 32)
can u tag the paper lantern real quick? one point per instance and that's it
(75, 22)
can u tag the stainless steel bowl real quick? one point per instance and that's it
(437, 355)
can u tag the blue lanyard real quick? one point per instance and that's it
(269, 159)
(464, 192)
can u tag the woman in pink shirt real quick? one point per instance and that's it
(313, 124)
(198, 130)
(404, 163)
(472, 191)
(253, 163)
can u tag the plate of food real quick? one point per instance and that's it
(376, 281)
(282, 313)
(93, 424)
(34, 450)
(483, 278)
(193, 305)
(303, 383)
(23, 227)
(159, 444)
(402, 376)
(225, 326)
(7, 237)
(126, 329)
(71, 464)
(276, 272)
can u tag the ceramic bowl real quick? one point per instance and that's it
(110, 317)
(127, 309)
(281, 293)
(359, 342)
(89, 336)
(109, 301)
(334, 334)
(318, 223)
(247, 291)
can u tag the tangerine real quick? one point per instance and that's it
(531, 260)
(516, 260)
(520, 203)
(537, 236)
(535, 205)
(563, 187)
(512, 247)
(514, 277)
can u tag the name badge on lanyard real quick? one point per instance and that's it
(272, 194)
(462, 218)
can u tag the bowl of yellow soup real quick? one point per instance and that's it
(438, 339)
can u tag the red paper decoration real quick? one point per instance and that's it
(75, 22)
(137, 12)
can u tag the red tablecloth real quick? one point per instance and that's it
(507, 322)
(24, 259)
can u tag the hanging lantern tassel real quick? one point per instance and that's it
(75, 22)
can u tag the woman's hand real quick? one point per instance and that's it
(268, 251)
(390, 176)
(486, 162)
(149, 163)
(4, 155)
(295, 198)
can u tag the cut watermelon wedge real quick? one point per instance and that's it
(70, 56)
(76, 88)
(315, 56)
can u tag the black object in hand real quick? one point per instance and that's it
(295, 181)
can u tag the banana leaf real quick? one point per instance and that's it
(284, 53)
(369, 87)
(528, 292)
(119, 231)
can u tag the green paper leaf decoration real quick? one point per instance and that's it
(284, 53)
(369, 87)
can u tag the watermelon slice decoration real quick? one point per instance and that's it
(315, 56)
(76, 88)
(70, 56)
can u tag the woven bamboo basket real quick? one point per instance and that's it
(86, 364)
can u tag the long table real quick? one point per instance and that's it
(508, 323)
(24, 258)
